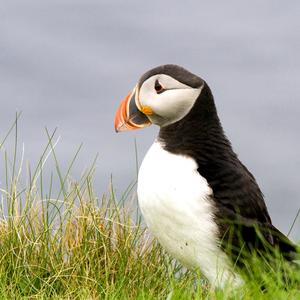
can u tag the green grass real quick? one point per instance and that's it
(79, 245)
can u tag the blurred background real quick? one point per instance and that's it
(66, 64)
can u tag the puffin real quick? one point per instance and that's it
(197, 198)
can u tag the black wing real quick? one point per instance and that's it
(241, 212)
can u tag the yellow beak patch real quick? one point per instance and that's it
(147, 110)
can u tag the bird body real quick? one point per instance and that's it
(176, 203)
(197, 198)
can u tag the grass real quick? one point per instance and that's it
(78, 245)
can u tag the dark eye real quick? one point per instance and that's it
(158, 87)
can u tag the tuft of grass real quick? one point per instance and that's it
(73, 244)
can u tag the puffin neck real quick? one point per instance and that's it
(199, 134)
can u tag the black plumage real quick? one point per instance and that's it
(240, 210)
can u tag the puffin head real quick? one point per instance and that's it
(162, 96)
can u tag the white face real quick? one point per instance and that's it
(169, 99)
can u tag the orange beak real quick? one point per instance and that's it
(128, 116)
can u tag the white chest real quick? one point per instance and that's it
(175, 202)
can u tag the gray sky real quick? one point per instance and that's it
(67, 64)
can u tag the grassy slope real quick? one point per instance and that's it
(77, 246)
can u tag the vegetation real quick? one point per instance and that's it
(77, 245)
